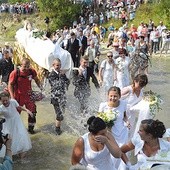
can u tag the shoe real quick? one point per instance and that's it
(58, 131)
(31, 129)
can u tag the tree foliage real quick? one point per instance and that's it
(60, 12)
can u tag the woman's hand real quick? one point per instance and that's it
(128, 124)
(101, 139)
(30, 113)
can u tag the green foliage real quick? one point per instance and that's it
(156, 11)
(61, 13)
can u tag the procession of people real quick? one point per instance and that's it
(124, 120)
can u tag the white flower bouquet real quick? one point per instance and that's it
(108, 117)
(154, 102)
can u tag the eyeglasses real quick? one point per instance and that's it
(109, 56)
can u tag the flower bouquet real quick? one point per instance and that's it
(108, 117)
(154, 102)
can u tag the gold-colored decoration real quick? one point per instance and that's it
(19, 54)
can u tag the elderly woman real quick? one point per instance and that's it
(96, 149)
(147, 144)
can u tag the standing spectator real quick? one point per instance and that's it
(73, 46)
(8, 48)
(20, 88)
(111, 27)
(160, 28)
(101, 17)
(165, 41)
(83, 40)
(59, 83)
(154, 38)
(150, 28)
(6, 66)
(92, 52)
(82, 83)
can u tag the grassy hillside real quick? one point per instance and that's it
(144, 13)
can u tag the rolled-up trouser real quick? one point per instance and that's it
(59, 105)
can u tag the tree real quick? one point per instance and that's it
(60, 12)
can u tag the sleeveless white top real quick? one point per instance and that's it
(96, 160)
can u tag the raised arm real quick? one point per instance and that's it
(111, 144)
(78, 151)
(125, 92)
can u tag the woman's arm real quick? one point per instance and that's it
(126, 148)
(100, 75)
(111, 144)
(26, 110)
(125, 119)
(78, 151)
(125, 91)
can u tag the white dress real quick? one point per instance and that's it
(119, 130)
(93, 160)
(131, 100)
(145, 162)
(108, 75)
(123, 79)
(15, 128)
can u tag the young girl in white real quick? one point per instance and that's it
(119, 129)
(14, 126)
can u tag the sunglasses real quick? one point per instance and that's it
(109, 56)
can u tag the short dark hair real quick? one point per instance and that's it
(95, 124)
(72, 34)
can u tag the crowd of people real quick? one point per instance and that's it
(19, 8)
(120, 77)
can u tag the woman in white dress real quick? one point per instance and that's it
(107, 72)
(96, 149)
(133, 94)
(122, 71)
(148, 144)
(14, 126)
(118, 107)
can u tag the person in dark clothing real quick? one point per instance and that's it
(6, 66)
(73, 46)
(81, 81)
(59, 83)
(83, 40)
